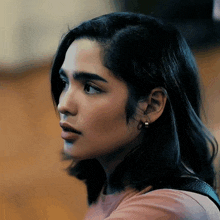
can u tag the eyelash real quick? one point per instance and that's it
(86, 86)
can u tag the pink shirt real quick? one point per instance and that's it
(160, 204)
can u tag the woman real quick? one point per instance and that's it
(127, 90)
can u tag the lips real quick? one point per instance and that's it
(69, 132)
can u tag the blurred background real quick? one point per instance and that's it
(33, 183)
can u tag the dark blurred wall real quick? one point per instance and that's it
(192, 17)
(171, 9)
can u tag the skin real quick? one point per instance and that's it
(96, 108)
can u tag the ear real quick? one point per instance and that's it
(154, 105)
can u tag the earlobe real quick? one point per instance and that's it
(155, 105)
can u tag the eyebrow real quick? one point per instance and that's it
(80, 75)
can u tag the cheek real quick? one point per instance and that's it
(105, 118)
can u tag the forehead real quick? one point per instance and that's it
(81, 54)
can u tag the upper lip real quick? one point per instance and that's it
(67, 127)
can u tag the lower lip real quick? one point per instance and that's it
(67, 135)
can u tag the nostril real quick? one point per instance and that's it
(61, 109)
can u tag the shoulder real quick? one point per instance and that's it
(166, 204)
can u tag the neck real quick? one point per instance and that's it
(111, 161)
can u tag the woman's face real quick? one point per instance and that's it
(92, 105)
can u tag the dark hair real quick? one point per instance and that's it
(145, 53)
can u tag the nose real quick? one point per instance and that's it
(67, 104)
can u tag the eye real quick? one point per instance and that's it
(64, 82)
(90, 89)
